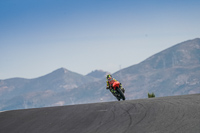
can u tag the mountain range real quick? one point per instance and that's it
(99, 74)
(174, 71)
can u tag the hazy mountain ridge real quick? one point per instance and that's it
(39, 91)
(99, 74)
(174, 71)
(170, 72)
(183, 54)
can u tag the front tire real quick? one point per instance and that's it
(121, 93)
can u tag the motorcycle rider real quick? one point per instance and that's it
(110, 81)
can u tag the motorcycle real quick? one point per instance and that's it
(117, 91)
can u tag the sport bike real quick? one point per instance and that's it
(116, 90)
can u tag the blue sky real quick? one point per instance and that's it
(40, 36)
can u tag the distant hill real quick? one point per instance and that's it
(174, 71)
(25, 93)
(99, 74)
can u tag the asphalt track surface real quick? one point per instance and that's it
(177, 114)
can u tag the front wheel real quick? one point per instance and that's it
(121, 93)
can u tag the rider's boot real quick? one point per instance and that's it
(123, 90)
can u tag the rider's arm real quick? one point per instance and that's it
(114, 79)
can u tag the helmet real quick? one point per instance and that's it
(109, 76)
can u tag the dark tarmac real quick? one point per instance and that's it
(176, 114)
